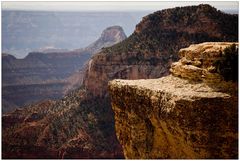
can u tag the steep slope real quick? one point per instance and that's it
(45, 75)
(145, 54)
(191, 115)
(149, 51)
(73, 127)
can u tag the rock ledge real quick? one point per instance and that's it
(178, 117)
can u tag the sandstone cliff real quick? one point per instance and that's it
(153, 46)
(191, 114)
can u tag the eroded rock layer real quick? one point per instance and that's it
(150, 50)
(176, 116)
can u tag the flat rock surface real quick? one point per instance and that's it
(174, 85)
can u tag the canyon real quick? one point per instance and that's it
(81, 124)
(49, 74)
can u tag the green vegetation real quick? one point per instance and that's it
(158, 33)
(159, 36)
(227, 65)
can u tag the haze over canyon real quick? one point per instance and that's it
(114, 85)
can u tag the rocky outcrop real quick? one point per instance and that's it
(196, 62)
(180, 116)
(153, 46)
(110, 36)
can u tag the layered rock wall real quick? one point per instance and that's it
(178, 117)
(154, 45)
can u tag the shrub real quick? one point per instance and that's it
(227, 65)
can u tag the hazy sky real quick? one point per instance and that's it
(111, 5)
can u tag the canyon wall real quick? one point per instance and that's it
(150, 50)
(191, 114)
(49, 75)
